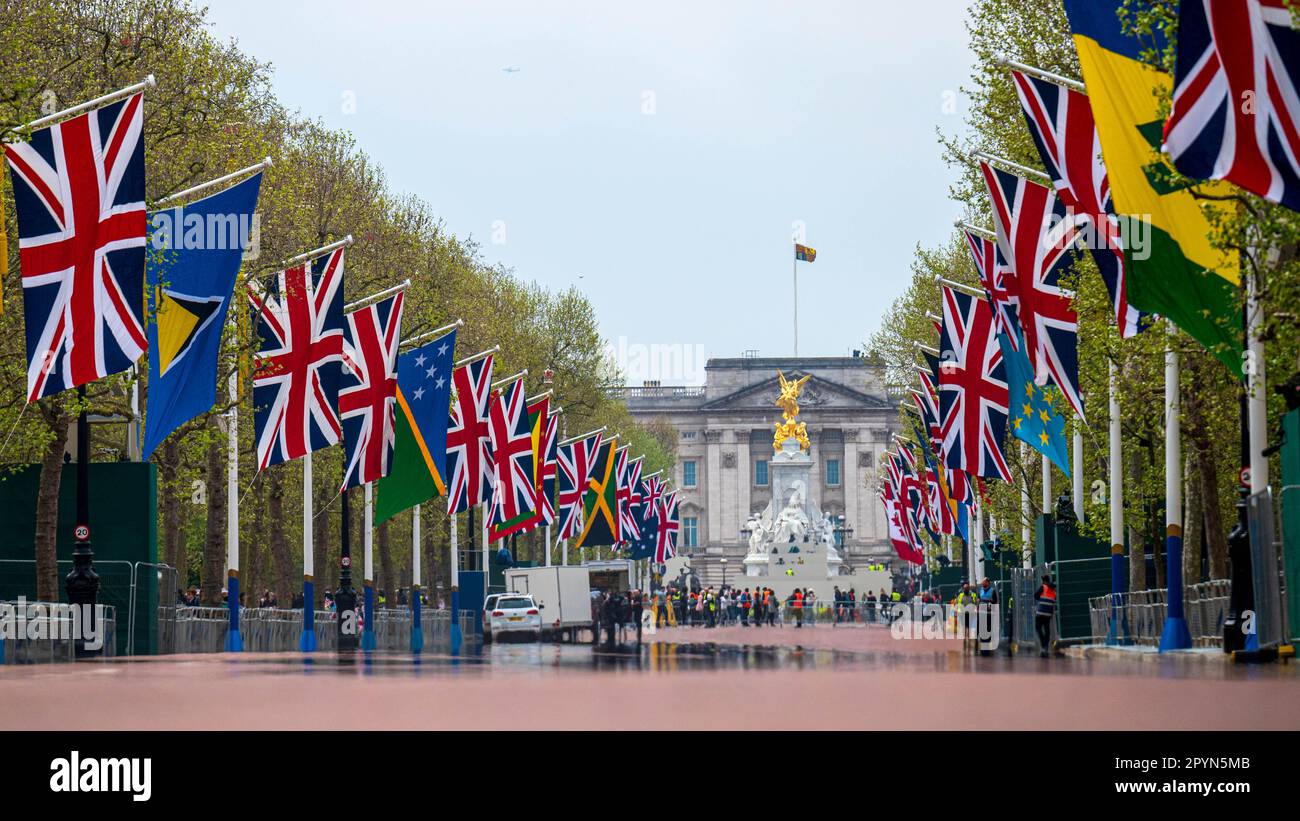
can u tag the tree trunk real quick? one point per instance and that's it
(1201, 455)
(386, 588)
(1137, 565)
(213, 573)
(257, 554)
(284, 566)
(326, 571)
(1193, 526)
(173, 529)
(47, 512)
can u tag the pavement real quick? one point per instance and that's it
(817, 678)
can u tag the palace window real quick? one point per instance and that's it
(690, 531)
(760, 473)
(688, 473)
(832, 472)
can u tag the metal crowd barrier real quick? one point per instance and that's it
(273, 630)
(53, 622)
(1139, 617)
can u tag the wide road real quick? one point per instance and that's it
(783, 678)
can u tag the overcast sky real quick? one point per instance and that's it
(654, 153)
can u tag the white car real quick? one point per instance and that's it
(511, 613)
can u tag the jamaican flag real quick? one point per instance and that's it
(600, 525)
(1173, 267)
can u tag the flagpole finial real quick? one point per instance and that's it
(150, 81)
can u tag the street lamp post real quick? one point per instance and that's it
(82, 583)
(723, 562)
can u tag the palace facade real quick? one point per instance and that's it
(724, 450)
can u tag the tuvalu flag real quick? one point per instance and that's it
(419, 458)
(1031, 417)
(1175, 271)
(600, 522)
(803, 253)
(189, 292)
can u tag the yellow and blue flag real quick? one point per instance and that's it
(198, 248)
(803, 253)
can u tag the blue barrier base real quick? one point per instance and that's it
(367, 639)
(307, 641)
(2, 652)
(1176, 636)
(417, 639)
(234, 641)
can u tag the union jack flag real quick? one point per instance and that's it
(998, 281)
(1236, 108)
(898, 536)
(1036, 238)
(628, 496)
(654, 492)
(79, 199)
(1060, 122)
(297, 370)
(669, 525)
(576, 462)
(972, 388)
(547, 446)
(908, 509)
(514, 496)
(469, 441)
(368, 393)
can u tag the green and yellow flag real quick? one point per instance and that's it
(1172, 267)
(600, 524)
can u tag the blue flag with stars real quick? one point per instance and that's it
(419, 462)
(1030, 416)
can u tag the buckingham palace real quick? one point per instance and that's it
(725, 430)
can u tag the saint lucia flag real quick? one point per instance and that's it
(194, 256)
(1031, 417)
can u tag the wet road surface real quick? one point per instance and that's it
(846, 678)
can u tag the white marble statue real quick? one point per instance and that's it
(792, 523)
(757, 535)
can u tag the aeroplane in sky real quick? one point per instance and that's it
(510, 69)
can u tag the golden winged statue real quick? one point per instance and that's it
(788, 402)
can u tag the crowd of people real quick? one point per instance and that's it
(758, 606)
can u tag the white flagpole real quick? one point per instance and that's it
(307, 642)
(368, 571)
(455, 583)
(1257, 398)
(547, 541)
(1026, 511)
(795, 267)
(234, 641)
(417, 630)
(564, 551)
(1175, 635)
(1076, 471)
(210, 184)
(1116, 492)
(147, 82)
(1047, 484)
(486, 565)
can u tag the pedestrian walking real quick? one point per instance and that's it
(1044, 612)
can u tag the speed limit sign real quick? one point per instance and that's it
(81, 532)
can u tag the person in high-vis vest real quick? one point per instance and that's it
(1044, 612)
